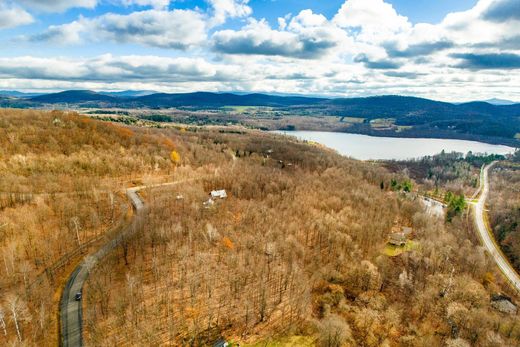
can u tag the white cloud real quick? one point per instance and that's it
(366, 48)
(108, 72)
(384, 39)
(156, 4)
(179, 29)
(11, 16)
(375, 20)
(167, 29)
(483, 24)
(70, 33)
(308, 35)
(57, 5)
(157, 27)
(106, 68)
(223, 9)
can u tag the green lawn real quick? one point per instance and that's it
(393, 251)
(288, 341)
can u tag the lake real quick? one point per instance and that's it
(365, 147)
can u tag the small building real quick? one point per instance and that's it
(397, 239)
(219, 194)
(179, 197)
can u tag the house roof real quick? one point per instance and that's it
(219, 193)
(398, 237)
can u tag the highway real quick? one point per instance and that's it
(71, 309)
(486, 234)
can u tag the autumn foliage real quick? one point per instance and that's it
(295, 249)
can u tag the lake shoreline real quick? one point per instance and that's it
(416, 134)
(367, 147)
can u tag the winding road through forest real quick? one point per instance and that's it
(486, 234)
(70, 308)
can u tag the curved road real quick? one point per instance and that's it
(487, 235)
(70, 308)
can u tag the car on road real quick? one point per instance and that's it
(77, 297)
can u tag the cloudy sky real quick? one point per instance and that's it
(453, 50)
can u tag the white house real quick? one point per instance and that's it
(215, 194)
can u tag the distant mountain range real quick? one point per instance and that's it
(14, 93)
(130, 93)
(499, 102)
(74, 97)
(163, 100)
(495, 120)
(207, 99)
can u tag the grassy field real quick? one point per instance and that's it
(289, 341)
(401, 128)
(382, 123)
(244, 109)
(352, 120)
(393, 251)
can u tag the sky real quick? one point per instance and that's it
(440, 49)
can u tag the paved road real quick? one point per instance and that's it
(487, 235)
(70, 309)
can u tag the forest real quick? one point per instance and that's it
(411, 116)
(294, 253)
(504, 206)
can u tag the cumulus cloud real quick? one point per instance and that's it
(371, 20)
(503, 10)
(223, 9)
(495, 61)
(11, 16)
(178, 29)
(109, 72)
(63, 34)
(109, 68)
(381, 35)
(157, 27)
(156, 4)
(366, 48)
(481, 25)
(383, 64)
(308, 35)
(167, 29)
(57, 5)
(419, 49)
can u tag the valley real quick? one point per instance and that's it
(387, 116)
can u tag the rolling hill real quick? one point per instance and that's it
(430, 118)
(74, 97)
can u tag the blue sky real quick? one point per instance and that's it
(447, 50)
(430, 11)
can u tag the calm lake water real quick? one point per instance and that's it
(365, 147)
